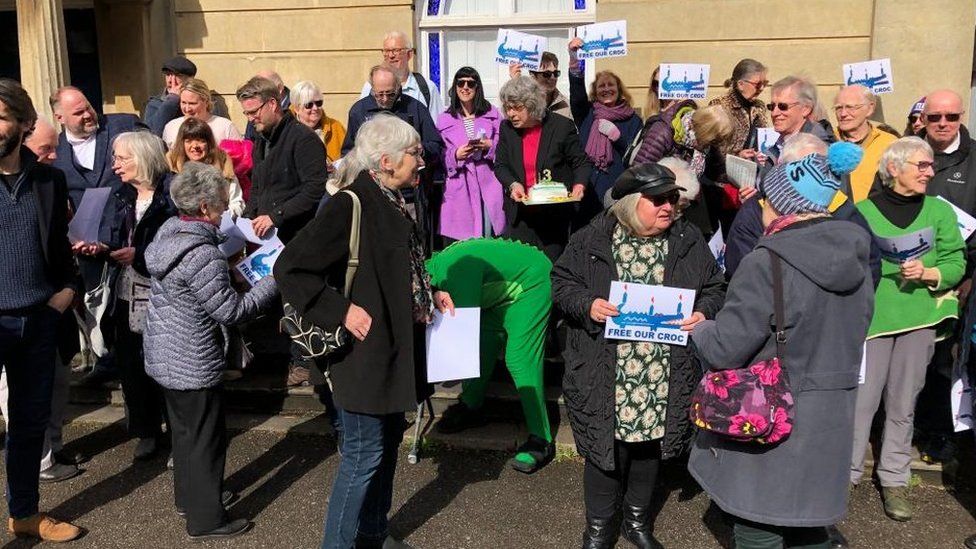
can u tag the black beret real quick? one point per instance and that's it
(180, 65)
(649, 179)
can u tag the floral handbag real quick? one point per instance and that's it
(754, 403)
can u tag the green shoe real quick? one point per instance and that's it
(896, 503)
(533, 455)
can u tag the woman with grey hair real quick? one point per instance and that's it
(191, 300)
(536, 147)
(922, 260)
(307, 104)
(628, 401)
(131, 219)
(381, 373)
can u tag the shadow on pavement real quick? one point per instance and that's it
(290, 459)
(110, 489)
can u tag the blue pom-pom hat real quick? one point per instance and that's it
(843, 157)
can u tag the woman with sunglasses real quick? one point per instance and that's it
(628, 401)
(608, 124)
(743, 104)
(912, 303)
(472, 204)
(306, 103)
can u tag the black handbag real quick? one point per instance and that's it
(314, 341)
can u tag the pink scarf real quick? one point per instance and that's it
(598, 146)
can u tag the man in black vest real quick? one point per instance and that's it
(39, 284)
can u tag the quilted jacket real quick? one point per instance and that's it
(189, 300)
(582, 274)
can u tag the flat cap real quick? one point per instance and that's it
(649, 179)
(180, 65)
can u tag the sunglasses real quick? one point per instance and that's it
(913, 118)
(759, 84)
(661, 199)
(547, 74)
(949, 116)
(311, 104)
(781, 106)
(468, 83)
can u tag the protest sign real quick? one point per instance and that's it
(966, 222)
(961, 400)
(899, 249)
(766, 138)
(260, 263)
(607, 39)
(683, 81)
(513, 46)
(874, 75)
(717, 245)
(649, 313)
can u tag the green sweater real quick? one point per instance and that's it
(901, 306)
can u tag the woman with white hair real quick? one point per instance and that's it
(130, 221)
(532, 146)
(307, 104)
(381, 374)
(912, 305)
(196, 101)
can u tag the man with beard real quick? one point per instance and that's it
(39, 285)
(387, 95)
(84, 154)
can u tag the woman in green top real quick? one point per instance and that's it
(912, 303)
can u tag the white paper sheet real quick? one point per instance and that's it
(683, 80)
(647, 313)
(235, 240)
(454, 345)
(513, 46)
(874, 75)
(961, 398)
(84, 226)
(717, 245)
(607, 39)
(967, 223)
(740, 171)
(864, 364)
(247, 232)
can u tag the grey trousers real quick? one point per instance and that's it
(59, 401)
(896, 370)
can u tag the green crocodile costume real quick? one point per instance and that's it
(510, 282)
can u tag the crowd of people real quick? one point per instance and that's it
(419, 204)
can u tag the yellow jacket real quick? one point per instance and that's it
(863, 176)
(332, 133)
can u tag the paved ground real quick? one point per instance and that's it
(451, 499)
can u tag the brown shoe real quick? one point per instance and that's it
(43, 527)
(297, 376)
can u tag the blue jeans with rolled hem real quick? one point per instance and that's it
(363, 489)
(28, 351)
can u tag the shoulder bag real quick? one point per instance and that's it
(755, 403)
(314, 341)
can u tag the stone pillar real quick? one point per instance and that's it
(43, 50)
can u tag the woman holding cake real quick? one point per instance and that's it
(537, 148)
(609, 124)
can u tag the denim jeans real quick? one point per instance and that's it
(28, 351)
(363, 489)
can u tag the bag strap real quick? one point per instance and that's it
(778, 314)
(353, 264)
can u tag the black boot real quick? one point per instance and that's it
(637, 527)
(601, 533)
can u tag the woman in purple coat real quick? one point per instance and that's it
(472, 204)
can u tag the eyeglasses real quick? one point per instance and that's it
(514, 107)
(121, 159)
(253, 112)
(311, 104)
(949, 116)
(469, 83)
(417, 152)
(848, 108)
(759, 84)
(659, 200)
(384, 94)
(781, 106)
(923, 165)
(546, 74)
(390, 52)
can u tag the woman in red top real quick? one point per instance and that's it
(533, 144)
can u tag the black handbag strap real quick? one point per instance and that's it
(779, 316)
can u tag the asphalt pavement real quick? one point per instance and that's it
(454, 498)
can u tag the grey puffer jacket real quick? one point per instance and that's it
(189, 299)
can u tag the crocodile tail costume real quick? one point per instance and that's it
(511, 283)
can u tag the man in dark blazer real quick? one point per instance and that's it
(386, 95)
(39, 284)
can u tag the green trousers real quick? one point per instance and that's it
(521, 329)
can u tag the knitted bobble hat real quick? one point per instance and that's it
(809, 184)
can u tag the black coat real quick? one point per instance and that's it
(584, 273)
(385, 373)
(289, 176)
(119, 228)
(546, 227)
